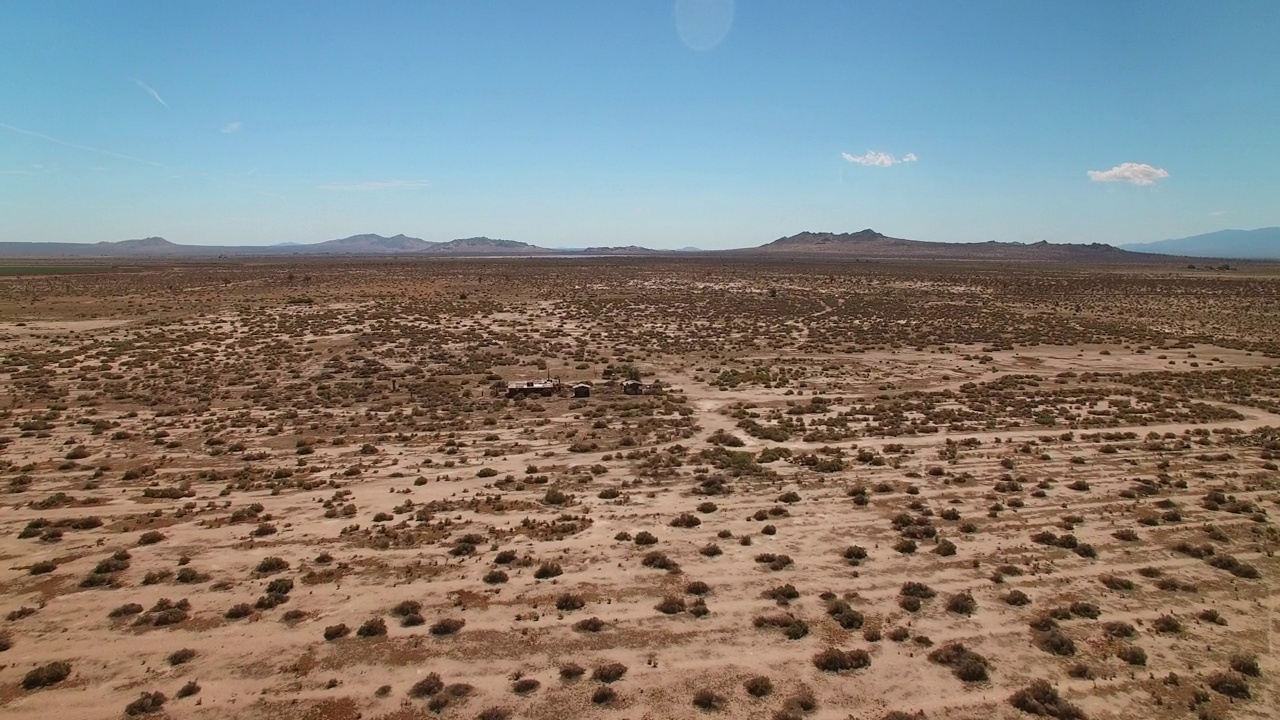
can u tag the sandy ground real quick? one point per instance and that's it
(814, 443)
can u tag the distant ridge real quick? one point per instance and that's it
(373, 244)
(1260, 244)
(862, 245)
(871, 245)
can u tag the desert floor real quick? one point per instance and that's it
(861, 490)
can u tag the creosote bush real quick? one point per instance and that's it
(609, 673)
(373, 627)
(45, 675)
(1040, 698)
(447, 626)
(836, 660)
(758, 686)
(147, 703)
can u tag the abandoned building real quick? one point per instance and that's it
(547, 387)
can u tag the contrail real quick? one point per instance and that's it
(108, 153)
(150, 90)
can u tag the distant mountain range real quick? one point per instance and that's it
(1260, 244)
(871, 245)
(862, 245)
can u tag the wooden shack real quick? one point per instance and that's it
(582, 390)
(545, 387)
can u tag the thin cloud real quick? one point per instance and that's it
(150, 91)
(374, 185)
(78, 146)
(231, 127)
(875, 158)
(1132, 173)
(1217, 213)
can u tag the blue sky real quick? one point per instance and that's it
(697, 122)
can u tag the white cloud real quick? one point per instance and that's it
(374, 185)
(1134, 173)
(874, 158)
(150, 91)
(231, 127)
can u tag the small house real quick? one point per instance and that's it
(545, 387)
(633, 387)
(582, 390)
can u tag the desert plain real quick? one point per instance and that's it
(298, 489)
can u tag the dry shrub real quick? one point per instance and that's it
(49, 674)
(147, 703)
(608, 673)
(570, 601)
(524, 686)
(447, 626)
(187, 690)
(708, 700)
(1040, 698)
(548, 570)
(758, 686)
(965, 664)
(836, 660)
(373, 627)
(1132, 654)
(670, 605)
(333, 632)
(603, 695)
(427, 686)
(962, 604)
(1246, 665)
(916, 589)
(1233, 686)
(179, 657)
(1057, 642)
(1016, 597)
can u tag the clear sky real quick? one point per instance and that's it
(695, 122)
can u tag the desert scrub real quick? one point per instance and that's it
(591, 624)
(1246, 665)
(238, 611)
(609, 673)
(1132, 654)
(49, 674)
(836, 660)
(965, 664)
(758, 686)
(962, 604)
(792, 627)
(1040, 698)
(708, 700)
(271, 564)
(147, 703)
(525, 686)
(670, 605)
(447, 626)
(603, 695)
(427, 686)
(548, 570)
(181, 657)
